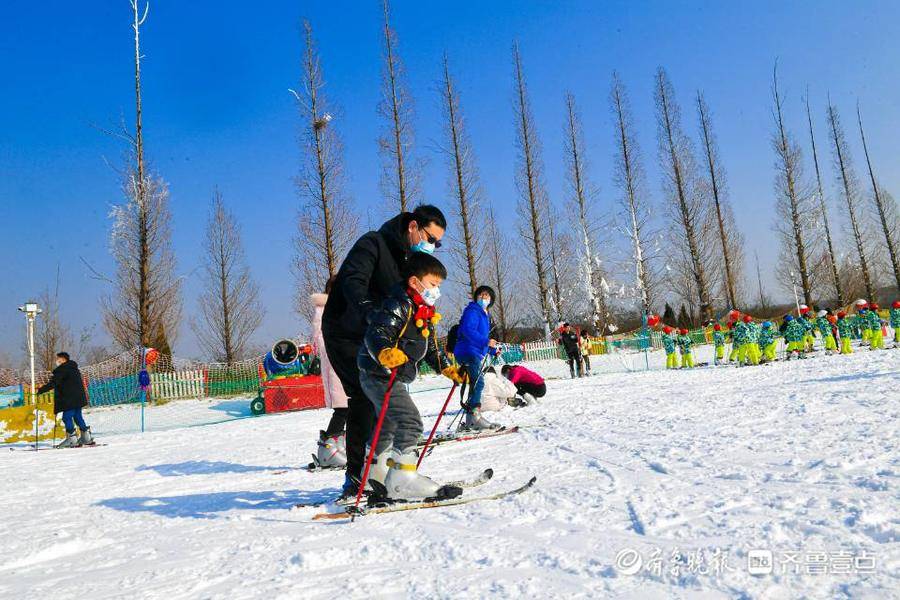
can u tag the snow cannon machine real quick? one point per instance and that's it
(290, 377)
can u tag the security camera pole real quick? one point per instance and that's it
(31, 310)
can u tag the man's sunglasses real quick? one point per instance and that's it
(430, 238)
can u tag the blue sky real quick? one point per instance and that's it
(217, 112)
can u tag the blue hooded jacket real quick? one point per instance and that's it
(473, 334)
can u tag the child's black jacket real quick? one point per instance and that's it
(398, 313)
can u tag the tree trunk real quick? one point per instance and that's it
(879, 203)
(832, 257)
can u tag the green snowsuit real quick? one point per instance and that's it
(845, 330)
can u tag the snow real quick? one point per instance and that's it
(791, 457)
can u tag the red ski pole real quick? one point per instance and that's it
(436, 423)
(384, 407)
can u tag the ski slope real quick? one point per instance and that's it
(796, 458)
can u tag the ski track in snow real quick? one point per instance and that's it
(799, 456)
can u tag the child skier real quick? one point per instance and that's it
(735, 348)
(401, 334)
(862, 314)
(739, 341)
(669, 341)
(684, 344)
(584, 344)
(895, 321)
(767, 342)
(751, 351)
(809, 340)
(719, 342)
(473, 344)
(825, 330)
(845, 331)
(876, 334)
(794, 333)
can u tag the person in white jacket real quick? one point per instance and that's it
(331, 451)
(497, 392)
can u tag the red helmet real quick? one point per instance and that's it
(748, 319)
(896, 304)
(734, 314)
(841, 314)
(683, 331)
(717, 327)
(804, 309)
(874, 306)
(667, 329)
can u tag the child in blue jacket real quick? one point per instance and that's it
(473, 344)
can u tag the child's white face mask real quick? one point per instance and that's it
(431, 295)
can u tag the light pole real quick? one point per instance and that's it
(32, 310)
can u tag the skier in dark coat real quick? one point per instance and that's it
(69, 398)
(365, 278)
(568, 338)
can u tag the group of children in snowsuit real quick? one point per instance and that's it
(754, 343)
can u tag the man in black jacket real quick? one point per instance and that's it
(69, 398)
(373, 265)
(569, 340)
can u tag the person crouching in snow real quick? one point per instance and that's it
(824, 326)
(400, 334)
(895, 322)
(845, 332)
(684, 344)
(498, 391)
(669, 340)
(331, 450)
(767, 341)
(528, 384)
(794, 333)
(473, 344)
(876, 333)
(719, 343)
(69, 398)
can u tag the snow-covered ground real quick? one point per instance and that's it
(800, 459)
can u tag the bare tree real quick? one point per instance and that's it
(230, 310)
(634, 216)
(830, 256)
(847, 179)
(533, 198)
(327, 224)
(793, 204)
(762, 298)
(679, 184)
(399, 178)
(500, 275)
(884, 204)
(146, 306)
(464, 177)
(559, 290)
(582, 197)
(732, 242)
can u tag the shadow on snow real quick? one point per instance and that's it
(206, 467)
(206, 506)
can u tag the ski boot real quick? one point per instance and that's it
(86, 438)
(529, 399)
(475, 422)
(404, 482)
(330, 453)
(71, 441)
